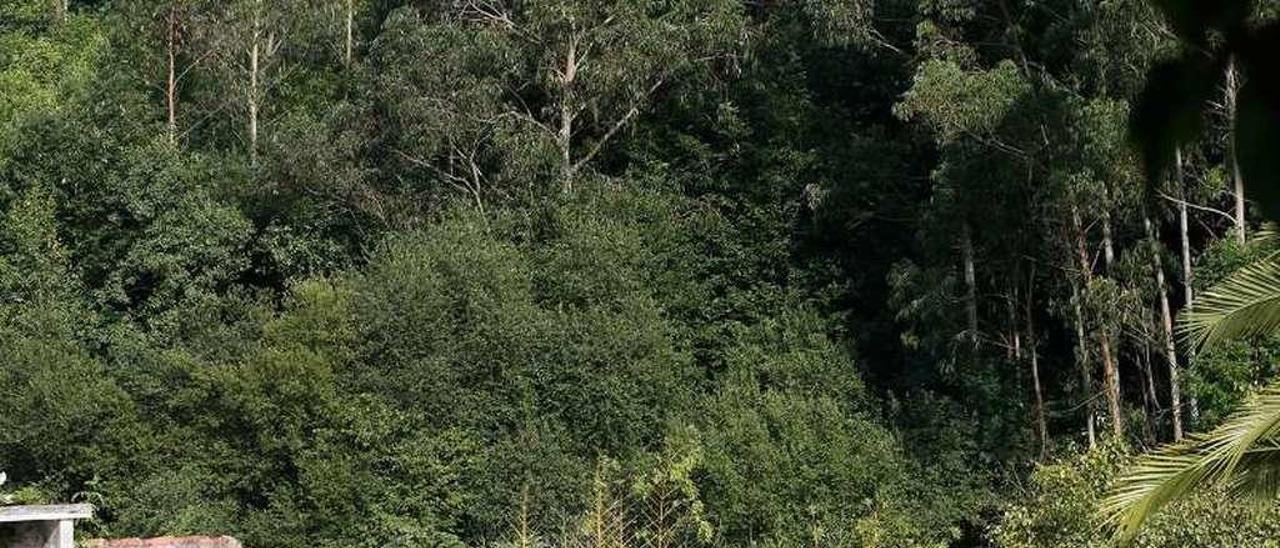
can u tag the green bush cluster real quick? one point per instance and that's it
(463, 379)
(1059, 507)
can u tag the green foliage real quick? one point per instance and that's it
(956, 102)
(1168, 113)
(1237, 453)
(24, 12)
(842, 22)
(29, 494)
(792, 457)
(1226, 374)
(1235, 456)
(651, 502)
(626, 272)
(41, 72)
(1061, 505)
(454, 317)
(420, 398)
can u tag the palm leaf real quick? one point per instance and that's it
(1247, 303)
(1258, 474)
(1243, 455)
(1266, 235)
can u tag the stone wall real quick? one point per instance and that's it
(165, 542)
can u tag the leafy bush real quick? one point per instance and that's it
(1061, 509)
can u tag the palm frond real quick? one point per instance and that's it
(1258, 474)
(1243, 455)
(1247, 303)
(1265, 235)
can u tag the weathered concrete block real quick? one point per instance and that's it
(49, 526)
(166, 542)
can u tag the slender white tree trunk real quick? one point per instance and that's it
(1148, 322)
(1193, 406)
(351, 19)
(1014, 351)
(1149, 405)
(1110, 373)
(1233, 87)
(1183, 233)
(171, 83)
(1082, 361)
(1166, 320)
(1042, 425)
(253, 95)
(1108, 248)
(565, 135)
(970, 282)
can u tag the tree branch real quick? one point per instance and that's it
(617, 126)
(1199, 207)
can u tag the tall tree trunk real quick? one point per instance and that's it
(1042, 425)
(1111, 374)
(970, 282)
(1112, 382)
(1193, 406)
(565, 135)
(1082, 360)
(1166, 320)
(1108, 256)
(60, 8)
(1149, 401)
(253, 85)
(1183, 234)
(171, 83)
(1108, 248)
(1014, 351)
(1149, 324)
(1233, 87)
(351, 19)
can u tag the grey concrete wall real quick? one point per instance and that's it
(37, 534)
(165, 542)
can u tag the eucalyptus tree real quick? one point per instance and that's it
(518, 97)
(253, 42)
(347, 15)
(167, 35)
(1240, 453)
(965, 130)
(598, 65)
(1231, 91)
(1002, 132)
(254, 48)
(443, 90)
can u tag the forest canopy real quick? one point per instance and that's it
(617, 272)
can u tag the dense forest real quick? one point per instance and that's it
(606, 273)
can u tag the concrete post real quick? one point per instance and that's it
(42, 526)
